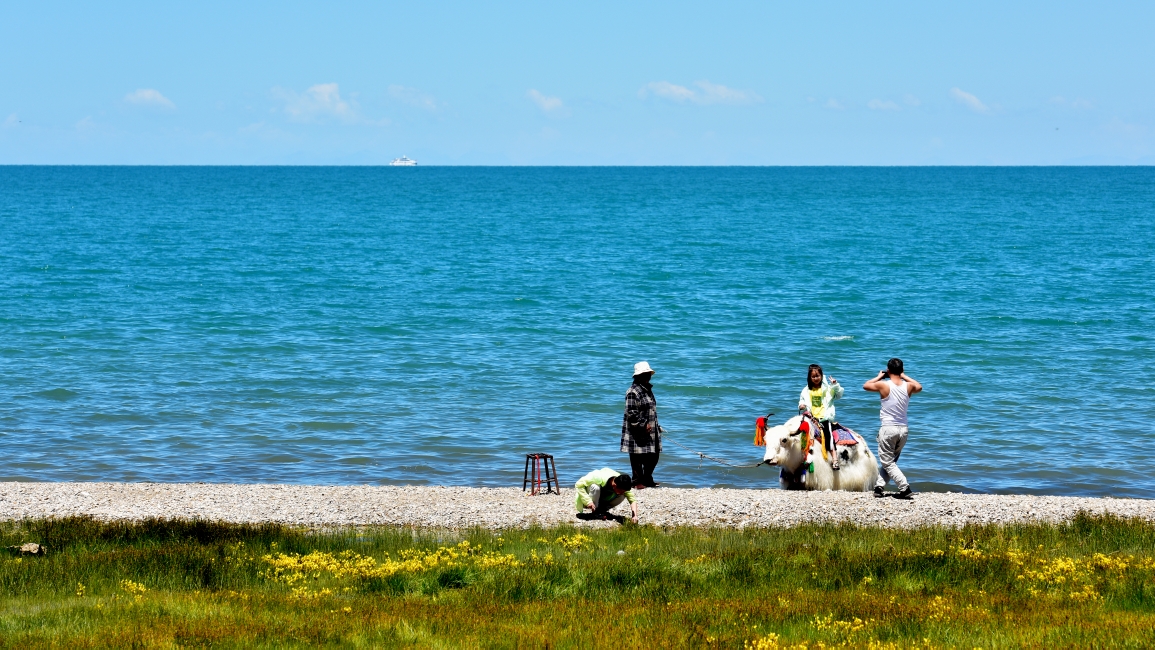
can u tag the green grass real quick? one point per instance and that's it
(176, 584)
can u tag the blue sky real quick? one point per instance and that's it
(578, 83)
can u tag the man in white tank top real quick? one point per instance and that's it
(892, 434)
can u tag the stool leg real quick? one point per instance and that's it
(556, 483)
(537, 474)
(550, 479)
(525, 477)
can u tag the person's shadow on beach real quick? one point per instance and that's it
(601, 516)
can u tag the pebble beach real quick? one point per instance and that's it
(505, 508)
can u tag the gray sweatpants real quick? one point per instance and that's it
(610, 502)
(891, 440)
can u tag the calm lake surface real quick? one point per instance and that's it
(433, 325)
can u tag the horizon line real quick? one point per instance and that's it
(786, 166)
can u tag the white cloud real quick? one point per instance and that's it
(719, 94)
(319, 102)
(413, 97)
(911, 100)
(880, 105)
(11, 121)
(834, 104)
(706, 93)
(149, 97)
(968, 100)
(666, 90)
(545, 102)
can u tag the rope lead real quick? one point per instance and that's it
(701, 456)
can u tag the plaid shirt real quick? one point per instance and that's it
(641, 409)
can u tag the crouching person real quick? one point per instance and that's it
(602, 490)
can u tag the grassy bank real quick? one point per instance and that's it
(164, 584)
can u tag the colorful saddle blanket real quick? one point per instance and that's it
(844, 436)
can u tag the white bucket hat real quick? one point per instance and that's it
(642, 367)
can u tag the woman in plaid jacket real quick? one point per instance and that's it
(641, 434)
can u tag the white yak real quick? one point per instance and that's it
(784, 450)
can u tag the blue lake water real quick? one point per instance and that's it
(433, 325)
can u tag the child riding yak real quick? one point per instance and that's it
(817, 403)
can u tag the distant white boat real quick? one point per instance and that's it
(403, 161)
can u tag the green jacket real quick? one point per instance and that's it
(597, 477)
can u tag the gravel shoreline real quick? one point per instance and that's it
(500, 508)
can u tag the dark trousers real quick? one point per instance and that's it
(828, 440)
(643, 467)
(827, 434)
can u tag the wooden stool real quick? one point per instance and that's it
(532, 478)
